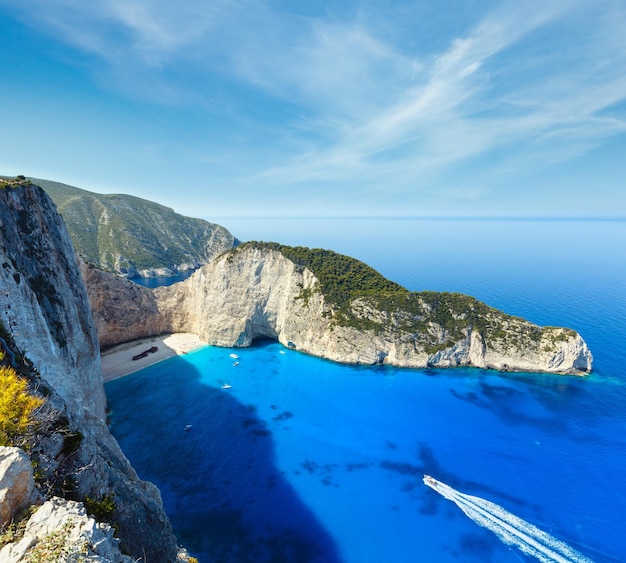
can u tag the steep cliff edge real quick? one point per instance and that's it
(122, 309)
(43, 302)
(46, 318)
(337, 308)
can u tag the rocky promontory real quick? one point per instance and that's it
(334, 307)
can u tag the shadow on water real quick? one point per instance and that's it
(226, 498)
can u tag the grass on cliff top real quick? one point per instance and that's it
(343, 279)
(6, 182)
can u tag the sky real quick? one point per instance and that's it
(322, 108)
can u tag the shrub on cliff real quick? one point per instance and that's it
(17, 408)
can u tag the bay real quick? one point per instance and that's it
(162, 281)
(308, 460)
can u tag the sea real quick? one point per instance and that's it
(307, 460)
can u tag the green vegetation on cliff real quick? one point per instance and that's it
(364, 299)
(341, 277)
(125, 234)
(17, 407)
(6, 182)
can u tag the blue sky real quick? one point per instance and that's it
(262, 108)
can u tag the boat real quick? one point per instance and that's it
(226, 386)
(188, 427)
(145, 353)
(235, 364)
(430, 481)
(234, 356)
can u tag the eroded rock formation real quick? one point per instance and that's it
(57, 529)
(258, 292)
(122, 310)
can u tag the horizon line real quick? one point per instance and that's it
(616, 218)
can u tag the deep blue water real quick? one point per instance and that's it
(162, 281)
(307, 460)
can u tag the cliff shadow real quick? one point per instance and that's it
(213, 459)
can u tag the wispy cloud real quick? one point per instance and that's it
(527, 84)
(460, 110)
(150, 31)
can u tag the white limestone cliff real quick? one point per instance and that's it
(258, 292)
(60, 530)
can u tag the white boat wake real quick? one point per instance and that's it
(508, 527)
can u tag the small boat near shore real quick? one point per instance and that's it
(226, 386)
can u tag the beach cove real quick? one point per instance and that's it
(117, 361)
(343, 449)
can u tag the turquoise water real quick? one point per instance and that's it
(308, 460)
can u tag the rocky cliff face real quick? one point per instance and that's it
(258, 292)
(46, 315)
(58, 527)
(17, 486)
(43, 302)
(122, 310)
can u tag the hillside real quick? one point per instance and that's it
(135, 237)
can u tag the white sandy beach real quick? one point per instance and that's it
(118, 360)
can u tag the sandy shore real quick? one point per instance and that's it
(118, 360)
